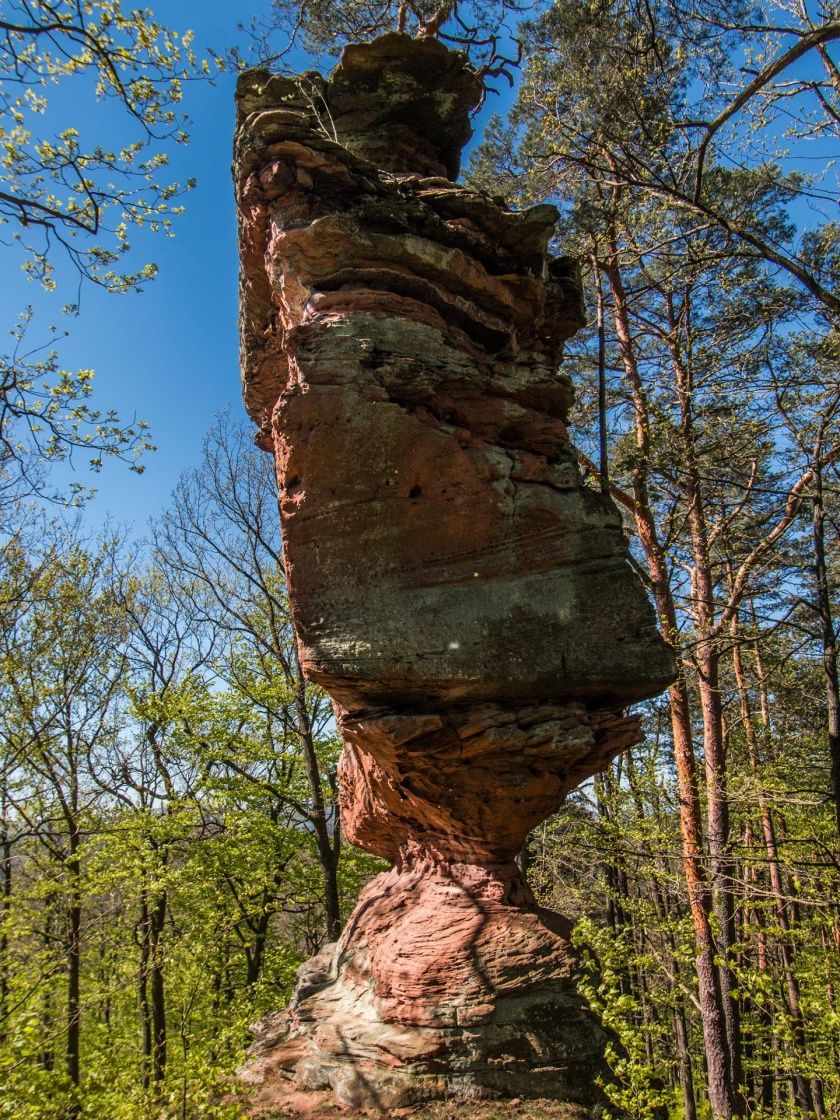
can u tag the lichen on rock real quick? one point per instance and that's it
(461, 593)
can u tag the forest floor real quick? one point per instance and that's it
(313, 1109)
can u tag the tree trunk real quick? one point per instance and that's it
(802, 1090)
(686, 1074)
(327, 846)
(603, 461)
(74, 970)
(720, 863)
(143, 991)
(707, 659)
(47, 1053)
(255, 952)
(721, 1095)
(719, 1084)
(663, 907)
(828, 637)
(5, 915)
(151, 985)
(157, 919)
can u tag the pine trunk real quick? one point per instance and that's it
(828, 638)
(719, 1083)
(327, 845)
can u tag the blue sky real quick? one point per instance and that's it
(168, 355)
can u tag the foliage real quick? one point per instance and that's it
(635, 1088)
(170, 845)
(72, 200)
(484, 31)
(155, 798)
(612, 859)
(658, 129)
(666, 102)
(54, 188)
(46, 416)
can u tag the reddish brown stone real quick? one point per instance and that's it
(461, 593)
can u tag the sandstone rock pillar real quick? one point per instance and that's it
(455, 586)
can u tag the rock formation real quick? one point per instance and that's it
(458, 590)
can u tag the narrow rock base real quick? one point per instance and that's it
(449, 983)
(449, 979)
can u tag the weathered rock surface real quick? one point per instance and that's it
(460, 592)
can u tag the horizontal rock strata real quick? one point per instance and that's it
(463, 596)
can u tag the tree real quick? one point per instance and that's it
(46, 415)
(698, 90)
(61, 671)
(222, 537)
(159, 865)
(697, 314)
(808, 399)
(485, 31)
(66, 202)
(53, 189)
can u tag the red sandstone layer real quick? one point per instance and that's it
(461, 593)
